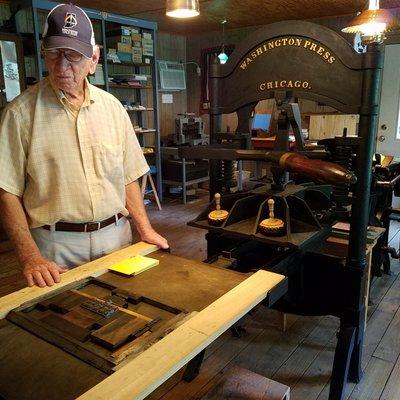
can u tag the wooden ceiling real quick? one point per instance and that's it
(238, 13)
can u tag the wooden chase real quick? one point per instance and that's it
(88, 322)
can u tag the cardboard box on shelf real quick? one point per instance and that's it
(147, 41)
(137, 54)
(124, 57)
(124, 48)
(137, 44)
(147, 45)
(136, 37)
(148, 50)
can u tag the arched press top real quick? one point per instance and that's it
(310, 60)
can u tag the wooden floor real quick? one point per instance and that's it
(302, 356)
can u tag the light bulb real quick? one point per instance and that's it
(183, 13)
(223, 58)
(373, 28)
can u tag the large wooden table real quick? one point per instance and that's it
(31, 368)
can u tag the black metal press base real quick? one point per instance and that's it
(347, 362)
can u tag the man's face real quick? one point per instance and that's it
(69, 75)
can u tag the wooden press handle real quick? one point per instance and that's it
(217, 198)
(271, 204)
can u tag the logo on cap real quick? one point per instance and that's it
(70, 20)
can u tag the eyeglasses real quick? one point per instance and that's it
(70, 55)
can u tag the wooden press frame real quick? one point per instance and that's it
(310, 61)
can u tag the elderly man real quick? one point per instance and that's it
(69, 161)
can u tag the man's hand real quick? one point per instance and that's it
(135, 206)
(42, 272)
(152, 237)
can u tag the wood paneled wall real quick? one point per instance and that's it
(4, 12)
(171, 48)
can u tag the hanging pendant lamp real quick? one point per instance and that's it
(372, 23)
(183, 8)
(223, 57)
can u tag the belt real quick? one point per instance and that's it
(83, 227)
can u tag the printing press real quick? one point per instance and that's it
(286, 61)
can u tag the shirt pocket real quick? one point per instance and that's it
(109, 160)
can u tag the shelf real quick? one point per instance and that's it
(125, 86)
(145, 130)
(146, 109)
(131, 64)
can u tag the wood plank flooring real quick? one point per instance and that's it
(302, 356)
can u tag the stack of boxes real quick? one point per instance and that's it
(137, 52)
(129, 45)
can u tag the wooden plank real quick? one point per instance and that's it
(331, 125)
(380, 320)
(314, 379)
(375, 375)
(379, 289)
(307, 351)
(389, 347)
(240, 383)
(271, 349)
(392, 387)
(93, 268)
(168, 355)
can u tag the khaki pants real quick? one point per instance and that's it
(70, 249)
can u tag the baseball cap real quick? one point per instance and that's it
(67, 26)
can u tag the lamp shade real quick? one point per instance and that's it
(183, 8)
(380, 20)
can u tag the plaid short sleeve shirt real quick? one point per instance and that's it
(66, 164)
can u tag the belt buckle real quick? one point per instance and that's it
(92, 223)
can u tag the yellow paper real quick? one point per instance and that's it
(134, 265)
